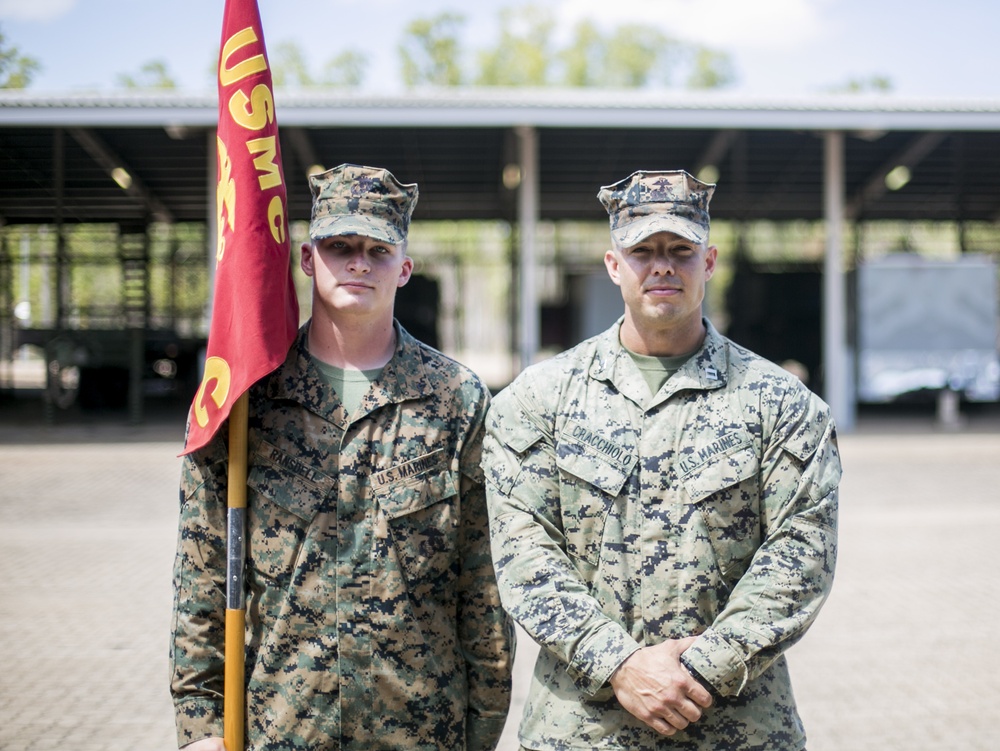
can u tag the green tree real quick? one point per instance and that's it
(629, 56)
(152, 75)
(345, 70)
(636, 55)
(16, 70)
(430, 51)
(710, 70)
(583, 58)
(880, 84)
(523, 56)
(288, 66)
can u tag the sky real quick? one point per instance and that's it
(925, 48)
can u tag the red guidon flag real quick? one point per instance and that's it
(255, 312)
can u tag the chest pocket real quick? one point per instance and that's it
(590, 479)
(418, 503)
(284, 495)
(725, 490)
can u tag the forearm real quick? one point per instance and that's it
(198, 638)
(789, 578)
(770, 609)
(485, 632)
(545, 594)
(539, 584)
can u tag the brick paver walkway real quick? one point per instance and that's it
(903, 657)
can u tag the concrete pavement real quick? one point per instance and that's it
(903, 657)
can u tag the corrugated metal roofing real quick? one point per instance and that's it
(456, 142)
(518, 106)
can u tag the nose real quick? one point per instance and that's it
(358, 261)
(662, 265)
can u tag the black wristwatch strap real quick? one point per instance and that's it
(698, 677)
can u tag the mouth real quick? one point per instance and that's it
(663, 290)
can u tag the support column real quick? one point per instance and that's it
(837, 368)
(527, 220)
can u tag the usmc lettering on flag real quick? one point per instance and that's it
(255, 312)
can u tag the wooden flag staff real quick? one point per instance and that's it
(234, 701)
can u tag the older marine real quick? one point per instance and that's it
(663, 508)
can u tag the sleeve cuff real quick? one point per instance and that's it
(483, 733)
(197, 719)
(599, 657)
(717, 662)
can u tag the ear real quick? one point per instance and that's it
(405, 271)
(306, 261)
(710, 256)
(611, 264)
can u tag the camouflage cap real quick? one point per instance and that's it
(665, 201)
(355, 200)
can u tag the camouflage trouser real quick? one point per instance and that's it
(524, 748)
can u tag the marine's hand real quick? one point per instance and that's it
(654, 686)
(206, 744)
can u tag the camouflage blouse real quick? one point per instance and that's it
(373, 618)
(620, 520)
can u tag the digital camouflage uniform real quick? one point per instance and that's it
(620, 520)
(373, 619)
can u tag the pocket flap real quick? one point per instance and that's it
(605, 466)
(288, 481)
(721, 472)
(518, 436)
(415, 485)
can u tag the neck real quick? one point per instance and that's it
(665, 342)
(363, 345)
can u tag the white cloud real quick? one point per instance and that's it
(728, 25)
(36, 10)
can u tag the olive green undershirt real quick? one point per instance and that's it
(350, 385)
(657, 370)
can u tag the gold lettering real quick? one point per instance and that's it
(255, 64)
(225, 199)
(276, 219)
(264, 151)
(261, 111)
(216, 369)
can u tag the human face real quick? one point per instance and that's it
(355, 275)
(662, 280)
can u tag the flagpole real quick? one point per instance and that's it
(255, 313)
(234, 699)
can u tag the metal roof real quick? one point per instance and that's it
(456, 143)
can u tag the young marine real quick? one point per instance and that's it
(373, 616)
(663, 508)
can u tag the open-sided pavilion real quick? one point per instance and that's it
(525, 156)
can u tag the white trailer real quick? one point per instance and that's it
(927, 326)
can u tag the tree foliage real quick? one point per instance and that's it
(636, 56)
(880, 84)
(345, 70)
(581, 60)
(16, 70)
(525, 54)
(429, 52)
(710, 70)
(289, 68)
(152, 75)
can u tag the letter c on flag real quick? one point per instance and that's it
(216, 369)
